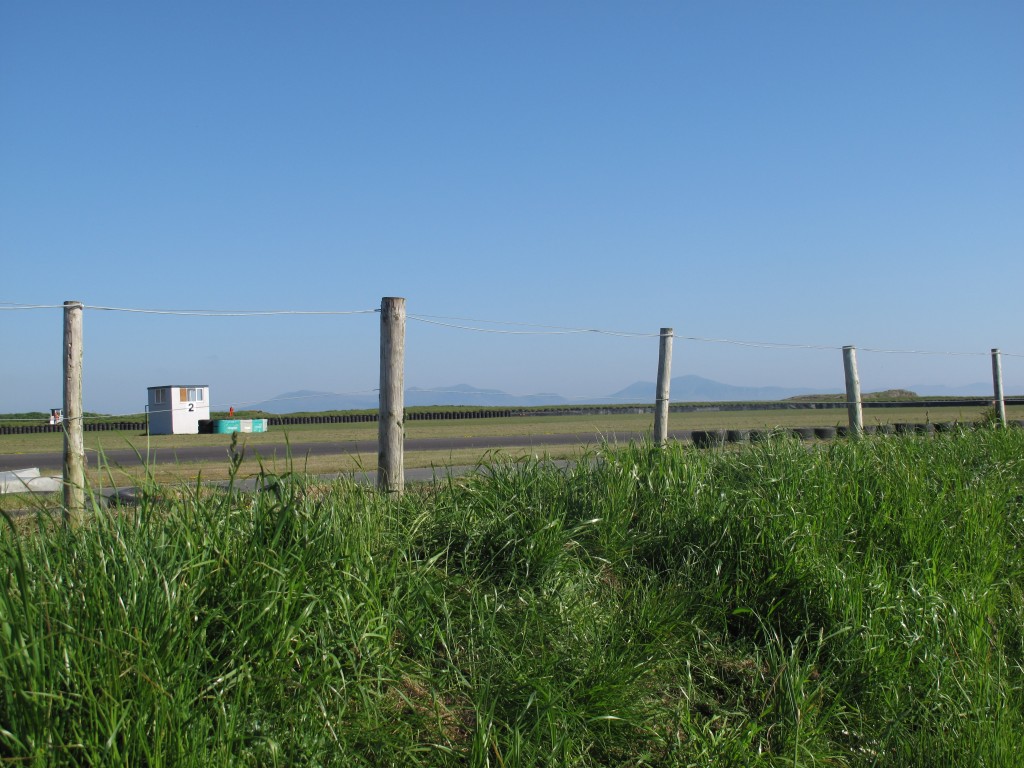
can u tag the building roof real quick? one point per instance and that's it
(173, 386)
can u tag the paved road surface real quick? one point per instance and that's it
(126, 457)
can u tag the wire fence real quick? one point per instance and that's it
(445, 324)
(162, 417)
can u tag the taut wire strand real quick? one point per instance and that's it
(541, 330)
(231, 313)
(761, 344)
(555, 330)
(10, 306)
(921, 352)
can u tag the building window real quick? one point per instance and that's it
(158, 396)
(195, 394)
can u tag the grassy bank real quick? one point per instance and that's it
(859, 603)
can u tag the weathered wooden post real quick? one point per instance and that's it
(853, 403)
(662, 394)
(74, 443)
(390, 425)
(997, 385)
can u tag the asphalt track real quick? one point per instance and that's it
(280, 452)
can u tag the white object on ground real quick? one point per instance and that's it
(28, 481)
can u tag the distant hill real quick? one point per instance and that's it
(456, 394)
(303, 400)
(697, 389)
(464, 394)
(888, 395)
(684, 389)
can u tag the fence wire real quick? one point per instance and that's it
(503, 327)
(525, 328)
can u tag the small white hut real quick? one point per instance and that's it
(177, 409)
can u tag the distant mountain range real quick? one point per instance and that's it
(458, 394)
(697, 389)
(688, 388)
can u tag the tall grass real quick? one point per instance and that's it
(859, 603)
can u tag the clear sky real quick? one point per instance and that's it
(792, 172)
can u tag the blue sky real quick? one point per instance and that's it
(808, 173)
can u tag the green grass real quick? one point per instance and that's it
(858, 603)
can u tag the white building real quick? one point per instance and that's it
(176, 410)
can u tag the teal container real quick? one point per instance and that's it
(227, 426)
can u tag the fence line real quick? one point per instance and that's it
(12, 307)
(391, 411)
(232, 313)
(561, 330)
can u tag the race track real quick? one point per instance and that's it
(126, 457)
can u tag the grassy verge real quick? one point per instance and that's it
(185, 472)
(857, 604)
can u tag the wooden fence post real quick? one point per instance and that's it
(997, 385)
(390, 424)
(74, 443)
(853, 402)
(662, 395)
